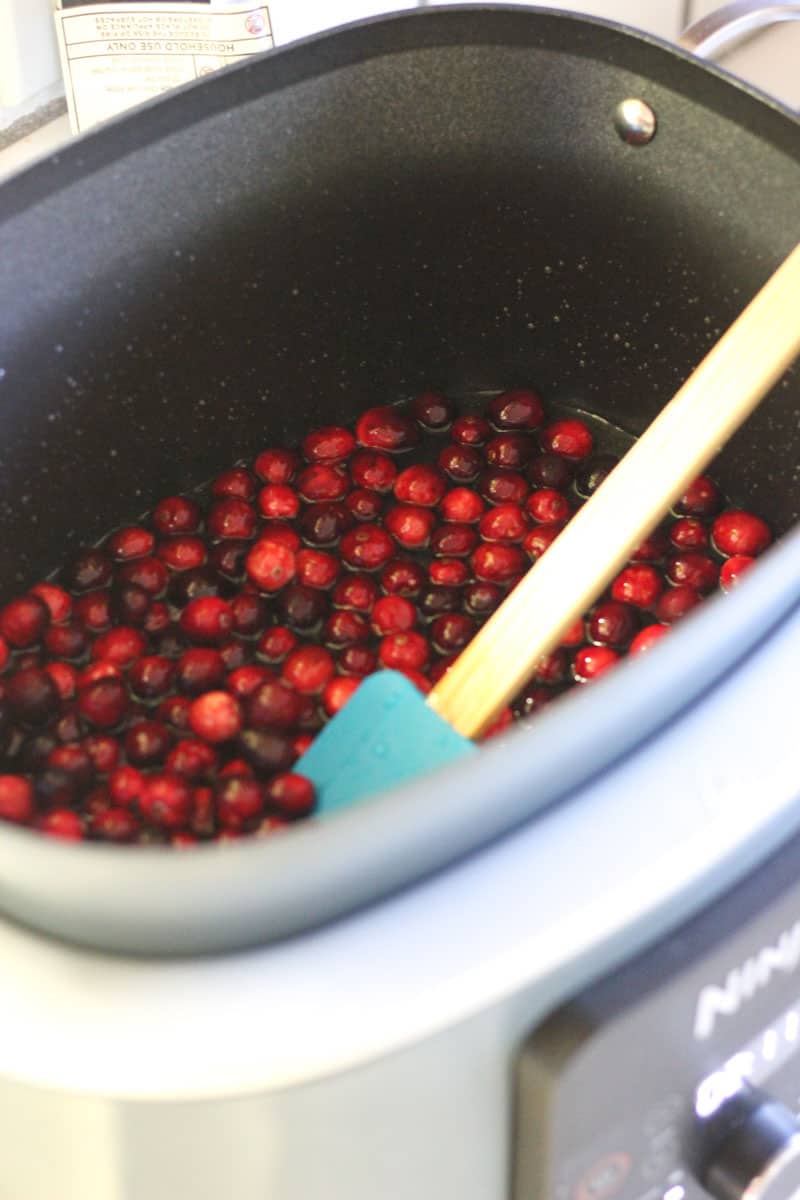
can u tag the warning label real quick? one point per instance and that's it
(114, 57)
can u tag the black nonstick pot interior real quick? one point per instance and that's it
(438, 199)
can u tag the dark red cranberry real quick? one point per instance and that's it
(116, 825)
(675, 602)
(324, 524)
(120, 646)
(498, 563)
(638, 585)
(308, 669)
(646, 638)
(504, 523)
(550, 471)
(93, 611)
(451, 632)
(364, 505)
(193, 585)
(317, 569)
(517, 409)
(130, 542)
(695, 569)
(276, 643)
(103, 751)
(301, 607)
(277, 466)
(311, 718)
(208, 620)
(535, 697)
(16, 799)
(503, 487)
(174, 711)
(147, 743)
(387, 428)
(169, 642)
(437, 600)
(270, 565)
(233, 518)
(421, 484)
(176, 515)
(250, 614)
(5, 653)
(471, 431)
(702, 498)
(448, 572)
(183, 553)
(129, 604)
(509, 450)
(344, 628)
(62, 823)
(653, 549)
(740, 533)
(410, 526)
(216, 717)
(404, 651)
(199, 670)
(66, 641)
(454, 541)
(75, 760)
(55, 788)
(440, 668)
(357, 660)
(433, 411)
(226, 559)
(59, 602)
(481, 599)
(592, 661)
(332, 443)
(462, 506)
(266, 750)
(104, 703)
(460, 463)
(273, 705)
(24, 621)
(733, 569)
(239, 802)
(612, 624)
(236, 482)
(242, 682)
(591, 474)
(689, 534)
(283, 533)
(88, 570)
(369, 547)
(147, 573)
(402, 577)
(337, 692)
(392, 614)
(570, 438)
(553, 669)
(69, 727)
(36, 751)
(151, 676)
(33, 696)
(166, 800)
(374, 471)
(291, 795)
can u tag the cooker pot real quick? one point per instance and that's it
(455, 199)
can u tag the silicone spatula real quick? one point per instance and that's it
(388, 732)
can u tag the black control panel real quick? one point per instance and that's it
(678, 1077)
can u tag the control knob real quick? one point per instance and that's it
(749, 1149)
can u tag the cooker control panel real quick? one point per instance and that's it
(678, 1076)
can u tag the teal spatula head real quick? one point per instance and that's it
(385, 734)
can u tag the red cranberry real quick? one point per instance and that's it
(518, 409)
(592, 661)
(392, 614)
(322, 482)
(402, 577)
(266, 750)
(653, 549)
(461, 463)
(344, 628)
(311, 718)
(324, 524)
(410, 525)
(437, 600)
(369, 547)
(689, 534)
(216, 717)
(593, 473)
(239, 802)
(503, 487)
(647, 637)
(89, 570)
(357, 592)
(448, 572)
(357, 660)
(125, 786)
(64, 677)
(273, 705)
(75, 761)
(250, 614)
(93, 611)
(364, 505)
(701, 499)
(504, 523)
(242, 682)
(695, 569)
(481, 599)
(453, 541)
(373, 471)
(120, 646)
(451, 632)
(509, 450)
(276, 643)
(103, 751)
(104, 703)
(151, 677)
(33, 696)
(208, 619)
(176, 515)
(462, 506)
(553, 668)
(308, 669)
(66, 641)
(24, 621)
(61, 823)
(226, 559)
(277, 466)
(732, 570)
(433, 411)
(538, 540)
(147, 743)
(199, 670)
(116, 825)
(302, 607)
(574, 635)
(147, 573)
(550, 471)
(130, 604)
(740, 533)
(291, 795)
(4, 652)
(282, 533)
(174, 711)
(59, 602)
(271, 565)
(570, 438)
(317, 569)
(130, 542)
(234, 518)
(237, 482)
(498, 563)
(96, 671)
(675, 602)
(16, 799)
(166, 800)
(182, 553)
(611, 624)
(422, 485)
(337, 692)
(471, 431)
(404, 651)
(387, 428)
(638, 585)
(329, 444)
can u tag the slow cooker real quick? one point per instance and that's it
(569, 968)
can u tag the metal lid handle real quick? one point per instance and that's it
(715, 34)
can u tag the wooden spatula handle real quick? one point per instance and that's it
(725, 388)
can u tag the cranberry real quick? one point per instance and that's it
(550, 471)
(208, 619)
(453, 541)
(689, 534)
(216, 717)
(234, 518)
(422, 485)
(402, 577)
(24, 621)
(266, 750)
(504, 523)
(451, 632)
(535, 697)
(675, 602)
(593, 473)
(392, 614)
(357, 660)
(321, 482)
(592, 661)
(4, 653)
(740, 533)
(357, 592)
(498, 563)
(166, 800)
(242, 682)
(33, 696)
(69, 726)
(236, 482)
(324, 524)
(151, 677)
(695, 569)
(170, 642)
(433, 411)
(176, 515)
(89, 570)
(271, 565)
(553, 668)
(130, 604)
(364, 505)
(93, 611)
(130, 542)
(410, 525)
(510, 450)
(125, 786)
(147, 573)
(61, 823)
(292, 795)
(373, 471)
(344, 628)
(120, 646)
(503, 487)
(462, 506)
(273, 705)
(66, 641)
(701, 499)
(103, 703)
(182, 553)
(308, 669)
(250, 614)
(226, 558)
(538, 540)
(317, 569)
(653, 549)
(239, 801)
(638, 585)
(386, 428)
(448, 572)
(277, 466)
(647, 637)
(59, 602)
(174, 711)
(116, 825)
(369, 547)
(437, 600)
(76, 762)
(329, 444)
(199, 670)
(282, 533)
(612, 624)
(337, 692)
(481, 599)
(570, 438)
(404, 651)
(460, 463)
(16, 799)
(732, 570)
(518, 409)
(276, 643)
(96, 671)
(471, 431)
(302, 607)
(147, 743)
(103, 751)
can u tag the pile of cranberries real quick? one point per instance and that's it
(164, 687)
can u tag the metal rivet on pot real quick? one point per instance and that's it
(635, 122)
